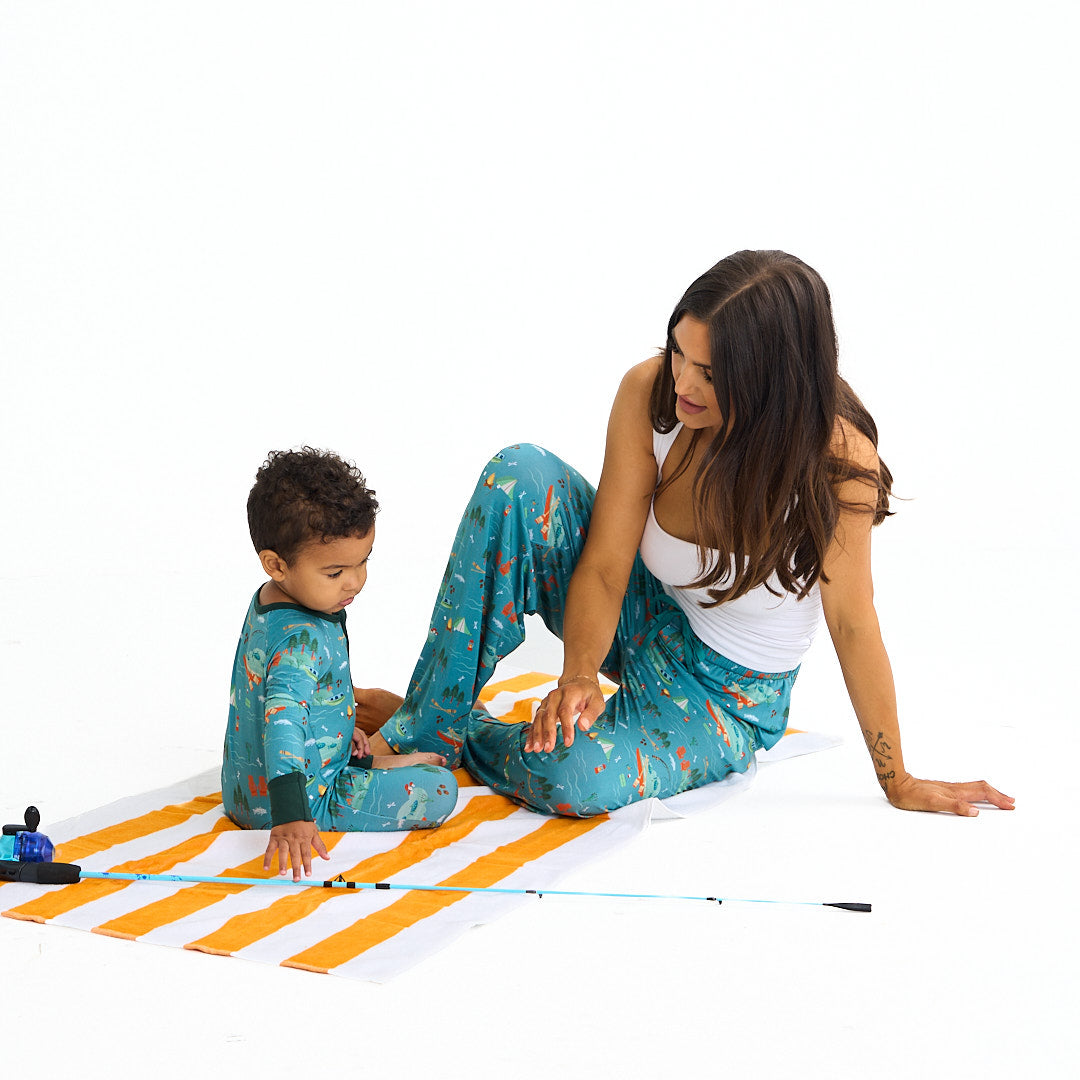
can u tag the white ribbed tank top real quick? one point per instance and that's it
(759, 630)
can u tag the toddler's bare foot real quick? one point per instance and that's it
(396, 761)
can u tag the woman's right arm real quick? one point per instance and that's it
(598, 584)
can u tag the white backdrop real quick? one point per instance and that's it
(413, 232)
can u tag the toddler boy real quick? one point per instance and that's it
(295, 761)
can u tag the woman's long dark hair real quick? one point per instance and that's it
(766, 488)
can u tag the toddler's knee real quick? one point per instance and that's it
(448, 790)
(441, 791)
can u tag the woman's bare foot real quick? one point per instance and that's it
(397, 761)
(379, 746)
(375, 707)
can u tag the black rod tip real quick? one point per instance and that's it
(849, 907)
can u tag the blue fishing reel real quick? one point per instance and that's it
(22, 845)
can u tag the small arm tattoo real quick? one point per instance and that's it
(879, 751)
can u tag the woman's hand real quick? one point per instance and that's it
(293, 842)
(910, 793)
(576, 701)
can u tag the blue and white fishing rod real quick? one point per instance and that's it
(340, 883)
(33, 853)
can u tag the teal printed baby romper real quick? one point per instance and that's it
(289, 740)
(683, 716)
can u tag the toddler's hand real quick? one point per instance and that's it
(361, 747)
(293, 842)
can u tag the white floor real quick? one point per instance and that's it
(417, 232)
(966, 963)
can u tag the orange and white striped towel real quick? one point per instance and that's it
(364, 934)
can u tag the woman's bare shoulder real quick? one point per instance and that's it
(630, 415)
(635, 392)
(627, 480)
(640, 378)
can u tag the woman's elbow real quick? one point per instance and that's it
(851, 625)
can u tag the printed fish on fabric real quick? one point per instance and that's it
(683, 715)
(291, 710)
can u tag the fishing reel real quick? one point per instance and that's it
(25, 853)
(23, 843)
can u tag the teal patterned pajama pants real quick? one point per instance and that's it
(683, 715)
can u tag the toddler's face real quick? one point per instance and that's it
(326, 576)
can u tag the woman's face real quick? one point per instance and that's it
(691, 367)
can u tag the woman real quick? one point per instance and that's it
(740, 484)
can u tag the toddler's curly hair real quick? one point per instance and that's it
(307, 495)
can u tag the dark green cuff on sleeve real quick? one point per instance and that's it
(288, 798)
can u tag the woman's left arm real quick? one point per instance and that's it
(848, 601)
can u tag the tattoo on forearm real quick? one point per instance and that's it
(879, 751)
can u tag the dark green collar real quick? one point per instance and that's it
(262, 609)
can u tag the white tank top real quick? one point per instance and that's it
(759, 630)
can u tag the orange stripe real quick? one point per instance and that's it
(521, 713)
(381, 925)
(81, 847)
(517, 683)
(521, 683)
(187, 901)
(465, 780)
(60, 901)
(245, 929)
